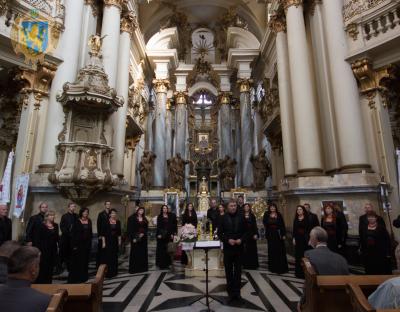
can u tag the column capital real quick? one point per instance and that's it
(116, 3)
(161, 85)
(371, 80)
(3, 7)
(224, 98)
(244, 84)
(277, 22)
(288, 3)
(312, 4)
(129, 23)
(181, 97)
(94, 6)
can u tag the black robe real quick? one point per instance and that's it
(275, 230)
(312, 220)
(250, 261)
(5, 230)
(301, 236)
(363, 224)
(165, 227)
(336, 233)
(48, 245)
(102, 221)
(375, 251)
(212, 214)
(110, 253)
(81, 244)
(138, 260)
(67, 222)
(32, 229)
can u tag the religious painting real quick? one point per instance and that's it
(203, 140)
(172, 200)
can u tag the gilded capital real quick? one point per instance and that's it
(116, 3)
(161, 85)
(244, 85)
(288, 3)
(277, 22)
(129, 23)
(181, 97)
(225, 98)
(94, 6)
(3, 7)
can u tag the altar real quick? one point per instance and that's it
(196, 261)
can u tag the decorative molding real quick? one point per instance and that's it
(312, 4)
(371, 80)
(3, 7)
(277, 22)
(225, 98)
(288, 3)
(352, 31)
(93, 4)
(244, 85)
(181, 97)
(116, 3)
(129, 23)
(161, 85)
(352, 8)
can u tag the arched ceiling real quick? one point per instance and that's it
(201, 13)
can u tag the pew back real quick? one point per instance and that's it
(57, 301)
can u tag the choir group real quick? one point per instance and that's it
(72, 249)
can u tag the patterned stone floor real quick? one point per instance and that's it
(165, 291)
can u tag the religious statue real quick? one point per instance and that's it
(227, 173)
(95, 42)
(261, 170)
(146, 169)
(176, 169)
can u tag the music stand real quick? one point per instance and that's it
(206, 246)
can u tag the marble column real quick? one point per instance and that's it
(168, 131)
(68, 50)
(110, 30)
(128, 25)
(309, 151)
(89, 24)
(278, 25)
(245, 132)
(181, 123)
(225, 125)
(149, 130)
(159, 135)
(352, 141)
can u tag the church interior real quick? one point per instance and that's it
(130, 105)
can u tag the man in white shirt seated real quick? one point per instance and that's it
(387, 295)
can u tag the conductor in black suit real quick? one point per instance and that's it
(312, 217)
(233, 234)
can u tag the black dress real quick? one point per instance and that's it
(189, 219)
(102, 221)
(335, 233)
(165, 228)
(250, 261)
(274, 232)
(5, 230)
(67, 222)
(48, 246)
(81, 246)
(138, 260)
(110, 253)
(375, 251)
(301, 235)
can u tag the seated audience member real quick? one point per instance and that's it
(17, 295)
(387, 295)
(6, 251)
(323, 260)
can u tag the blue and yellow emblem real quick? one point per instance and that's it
(34, 38)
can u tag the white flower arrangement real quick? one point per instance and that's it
(188, 233)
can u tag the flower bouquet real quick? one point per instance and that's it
(188, 233)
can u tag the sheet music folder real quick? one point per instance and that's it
(207, 244)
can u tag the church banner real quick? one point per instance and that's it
(5, 185)
(21, 192)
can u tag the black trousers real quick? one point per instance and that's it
(233, 270)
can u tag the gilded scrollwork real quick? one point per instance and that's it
(129, 23)
(277, 22)
(351, 8)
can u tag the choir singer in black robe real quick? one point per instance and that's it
(138, 233)
(81, 245)
(102, 221)
(250, 261)
(375, 247)
(334, 226)
(111, 242)
(166, 228)
(5, 224)
(233, 233)
(301, 235)
(34, 223)
(48, 238)
(67, 222)
(275, 232)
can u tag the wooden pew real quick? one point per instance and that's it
(81, 297)
(57, 301)
(360, 302)
(327, 293)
